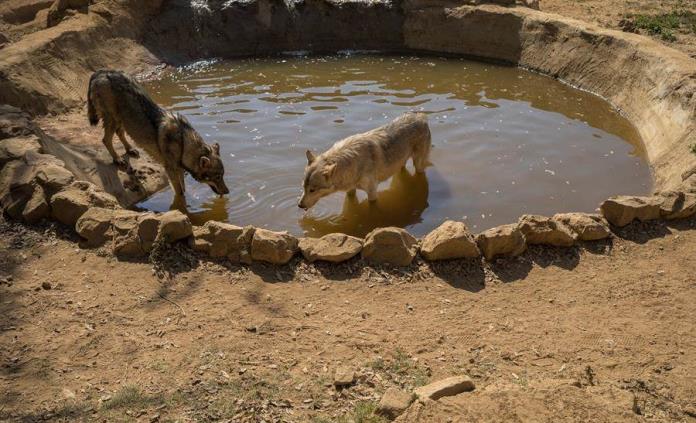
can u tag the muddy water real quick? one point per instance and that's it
(506, 141)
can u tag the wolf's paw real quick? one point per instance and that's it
(123, 165)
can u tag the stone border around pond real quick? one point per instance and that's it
(653, 86)
(36, 186)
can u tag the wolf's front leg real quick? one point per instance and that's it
(176, 180)
(371, 192)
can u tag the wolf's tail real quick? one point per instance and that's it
(91, 111)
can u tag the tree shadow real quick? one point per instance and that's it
(273, 273)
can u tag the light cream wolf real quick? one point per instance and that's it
(124, 106)
(364, 160)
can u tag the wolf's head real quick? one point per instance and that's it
(205, 166)
(211, 170)
(318, 180)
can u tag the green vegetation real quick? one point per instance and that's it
(363, 412)
(131, 396)
(401, 366)
(664, 25)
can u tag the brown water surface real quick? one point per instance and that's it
(506, 141)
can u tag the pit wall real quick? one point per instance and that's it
(653, 85)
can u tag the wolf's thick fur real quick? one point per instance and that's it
(363, 161)
(124, 106)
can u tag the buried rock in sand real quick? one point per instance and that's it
(394, 402)
(445, 388)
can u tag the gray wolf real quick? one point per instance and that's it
(124, 107)
(364, 160)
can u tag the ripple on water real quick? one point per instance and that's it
(505, 141)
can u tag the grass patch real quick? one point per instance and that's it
(363, 412)
(666, 24)
(692, 148)
(403, 368)
(132, 397)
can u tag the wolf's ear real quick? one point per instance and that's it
(204, 162)
(328, 170)
(310, 157)
(216, 148)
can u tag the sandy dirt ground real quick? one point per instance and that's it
(603, 332)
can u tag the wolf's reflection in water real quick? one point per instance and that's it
(213, 209)
(401, 204)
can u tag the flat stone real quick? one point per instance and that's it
(174, 226)
(344, 376)
(333, 248)
(224, 240)
(587, 227)
(15, 148)
(623, 209)
(394, 402)
(273, 247)
(37, 207)
(502, 240)
(74, 200)
(390, 246)
(451, 240)
(445, 388)
(546, 231)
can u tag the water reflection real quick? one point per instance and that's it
(401, 204)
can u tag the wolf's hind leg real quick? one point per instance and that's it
(108, 142)
(372, 192)
(129, 148)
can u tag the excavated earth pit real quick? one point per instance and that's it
(652, 87)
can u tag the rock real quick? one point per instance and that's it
(686, 209)
(546, 231)
(14, 122)
(74, 200)
(444, 388)
(174, 226)
(622, 210)
(273, 247)
(58, 10)
(391, 246)
(588, 227)
(394, 402)
(671, 202)
(37, 207)
(344, 376)
(53, 177)
(46, 285)
(96, 225)
(224, 240)
(333, 248)
(689, 184)
(13, 199)
(502, 240)
(451, 240)
(15, 148)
